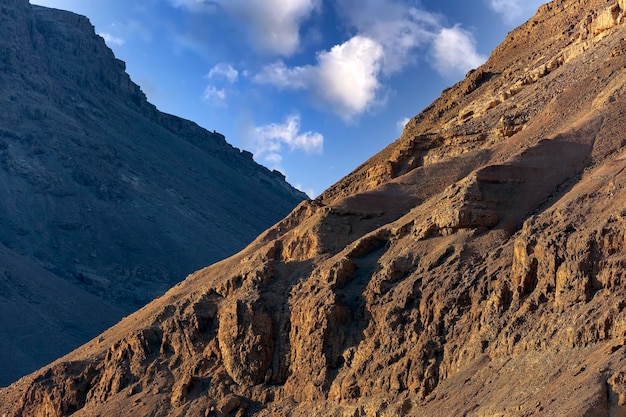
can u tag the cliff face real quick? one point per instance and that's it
(474, 267)
(101, 189)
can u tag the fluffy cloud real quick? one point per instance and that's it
(396, 26)
(281, 76)
(308, 191)
(220, 75)
(344, 78)
(454, 52)
(112, 40)
(401, 124)
(511, 7)
(273, 25)
(515, 11)
(400, 29)
(224, 71)
(214, 95)
(267, 142)
(349, 77)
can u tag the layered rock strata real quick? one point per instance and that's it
(474, 267)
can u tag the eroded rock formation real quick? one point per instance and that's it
(474, 267)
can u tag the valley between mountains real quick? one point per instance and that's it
(474, 267)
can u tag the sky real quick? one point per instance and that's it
(312, 88)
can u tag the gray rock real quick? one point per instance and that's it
(103, 190)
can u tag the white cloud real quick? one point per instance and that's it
(397, 27)
(401, 29)
(224, 71)
(117, 33)
(221, 74)
(274, 160)
(273, 25)
(507, 7)
(515, 11)
(131, 30)
(214, 95)
(281, 76)
(349, 77)
(267, 142)
(400, 124)
(454, 52)
(112, 40)
(308, 191)
(344, 78)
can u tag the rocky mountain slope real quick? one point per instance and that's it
(475, 267)
(103, 191)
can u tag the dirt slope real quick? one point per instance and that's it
(475, 267)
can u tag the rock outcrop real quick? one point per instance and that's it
(101, 189)
(474, 267)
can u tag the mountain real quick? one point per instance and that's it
(475, 267)
(101, 192)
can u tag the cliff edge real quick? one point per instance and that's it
(475, 267)
(100, 190)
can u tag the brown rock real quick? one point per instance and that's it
(246, 340)
(229, 404)
(461, 271)
(607, 19)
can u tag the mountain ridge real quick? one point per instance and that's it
(100, 188)
(473, 267)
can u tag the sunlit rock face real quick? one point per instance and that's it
(473, 267)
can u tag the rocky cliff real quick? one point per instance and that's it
(102, 190)
(475, 267)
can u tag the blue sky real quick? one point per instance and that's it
(312, 87)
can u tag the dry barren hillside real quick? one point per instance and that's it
(102, 190)
(475, 267)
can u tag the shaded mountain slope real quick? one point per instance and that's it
(474, 267)
(99, 187)
(43, 315)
